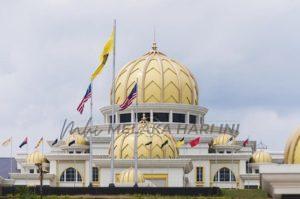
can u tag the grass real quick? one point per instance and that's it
(226, 194)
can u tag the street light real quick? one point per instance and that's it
(40, 168)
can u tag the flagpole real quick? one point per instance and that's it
(27, 145)
(90, 138)
(43, 145)
(27, 155)
(135, 139)
(11, 154)
(112, 172)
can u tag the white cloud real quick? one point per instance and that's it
(263, 125)
(243, 54)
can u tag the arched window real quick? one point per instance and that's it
(70, 175)
(224, 175)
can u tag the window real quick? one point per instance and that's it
(179, 117)
(140, 116)
(95, 174)
(78, 152)
(248, 169)
(70, 175)
(228, 151)
(126, 117)
(224, 175)
(71, 152)
(221, 151)
(251, 187)
(161, 117)
(199, 174)
(31, 170)
(193, 119)
(256, 170)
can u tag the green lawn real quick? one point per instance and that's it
(226, 194)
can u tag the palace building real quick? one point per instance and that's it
(168, 96)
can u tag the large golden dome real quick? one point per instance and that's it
(292, 149)
(160, 80)
(150, 143)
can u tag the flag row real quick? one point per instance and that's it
(194, 142)
(8, 142)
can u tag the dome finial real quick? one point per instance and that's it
(154, 47)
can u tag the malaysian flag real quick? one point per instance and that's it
(129, 99)
(86, 97)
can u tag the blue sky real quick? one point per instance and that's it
(244, 55)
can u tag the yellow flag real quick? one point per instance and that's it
(180, 142)
(39, 143)
(6, 142)
(104, 55)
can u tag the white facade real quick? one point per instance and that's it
(195, 166)
(219, 160)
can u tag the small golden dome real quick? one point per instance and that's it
(222, 139)
(150, 143)
(261, 156)
(79, 139)
(292, 149)
(160, 80)
(35, 158)
(127, 176)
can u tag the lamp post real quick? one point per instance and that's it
(40, 167)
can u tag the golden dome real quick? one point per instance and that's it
(222, 139)
(127, 176)
(150, 141)
(160, 80)
(261, 156)
(79, 139)
(35, 158)
(292, 149)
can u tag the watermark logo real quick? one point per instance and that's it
(176, 128)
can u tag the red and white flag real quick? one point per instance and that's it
(129, 99)
(85, 98)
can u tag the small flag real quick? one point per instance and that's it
(24, 142)
(246, 142)
(195, 142)
(180, 142)
(71, 143)
(104, 55)
(230, 139)
(148, 143)
(54, 142)
(6, 142)
(86, 97)
(129, 99)
(164, 144)
(39, 143)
